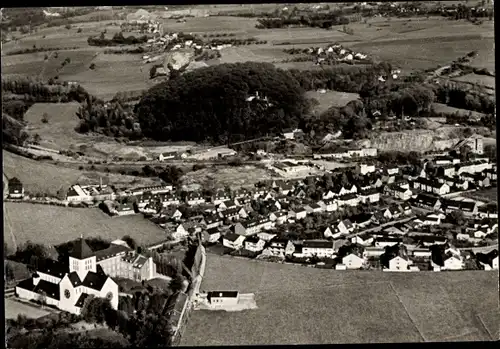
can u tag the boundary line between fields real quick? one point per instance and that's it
(407, 312)
(485, 328)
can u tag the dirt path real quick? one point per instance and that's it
(9, 226)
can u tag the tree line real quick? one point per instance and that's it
(117, 39)
(314, 20)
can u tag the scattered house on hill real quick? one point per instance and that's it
(318, 248)
(16, 189)
(364, 169)
(254, 244)
(76, 194)
(369, 196)
(226, 205)
(399, 263)
(234, 241)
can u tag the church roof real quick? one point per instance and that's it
(81, 300)
(94, 280)
(49, 289)
(81, 250)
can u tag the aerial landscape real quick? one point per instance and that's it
(199, 175)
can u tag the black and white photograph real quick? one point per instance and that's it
(249, 174)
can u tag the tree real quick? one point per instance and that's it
(177, 283)
(92, 66)
(130, 242)
(457, 218)
(45, 118)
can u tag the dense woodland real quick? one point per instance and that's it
(211, 103)
(117, 39)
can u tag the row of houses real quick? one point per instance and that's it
(347, 154)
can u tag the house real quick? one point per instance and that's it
(233, 241)
(242, 213)
(361, 220)
(181, 232)
(266, 236)
(279, 217)
(211, 235)
(124, 209)
(318, 248)
(399, 263)
(194, 198)
(348, 200)
(394, 231)
(279, 247)
(387, 241)
(68, 288)
(453, 262)
(398, 192)
(167, 156)
(344, 227)
(230, 214)
(213, 221)
(253, 226)
(469, 208)
(369, 196)
(373, 252)
(421, 253)
(406, 208)
(353, 261)
(427, 201)
(298, 213)
(313, 208)
(75, 194)
(365, 168)
(363, 239)
(226, 205)
(168, 199)
(16, 189)
(292, 133)
(221, 299)
(254, 244)
(392, 171)
(328, 205)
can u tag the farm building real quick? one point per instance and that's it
(223, 298)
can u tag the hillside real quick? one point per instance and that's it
(247, 100)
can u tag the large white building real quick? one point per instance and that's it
(88, 274)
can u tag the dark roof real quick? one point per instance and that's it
(231, 237)
(52, 267)
(74, 279)
(94, 280)
(175, 305)
(360, 218)
(81, 300)
(253, 239)
(111, 251)
(81, 250)
(318, 244)
(49, 289)
(213, 230)
(222, 294)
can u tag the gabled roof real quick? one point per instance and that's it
(232, 237)
(318, 244)
(81, 300)
(94, 280)
(52, 267)
(81, 250)
(111, 251)
(47, 288)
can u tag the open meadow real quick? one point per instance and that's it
(331, 99)
(42, 177)
(53, 225)
(13, 308)
(299, 305)
(222, 176)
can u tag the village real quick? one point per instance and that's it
(366, 216)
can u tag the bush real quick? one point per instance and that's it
(79, 30)
(67, 26)
(92, 66)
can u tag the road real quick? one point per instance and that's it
(380, 227)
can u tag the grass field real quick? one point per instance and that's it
(235, 177)
(481, 80)
(443, 108)
(14, 308)
(487, 194)
(47, 178)
(331, 99)
(298, 305)
(59, 132)
(53, 225)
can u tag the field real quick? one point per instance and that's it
(53, 225)
(331, 99)
(46, 178)
(488, 195)
(481, 80)
(235, 177)
(13, 308)
(298, 305)
(443, 108)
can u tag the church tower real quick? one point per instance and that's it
(82, 259)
